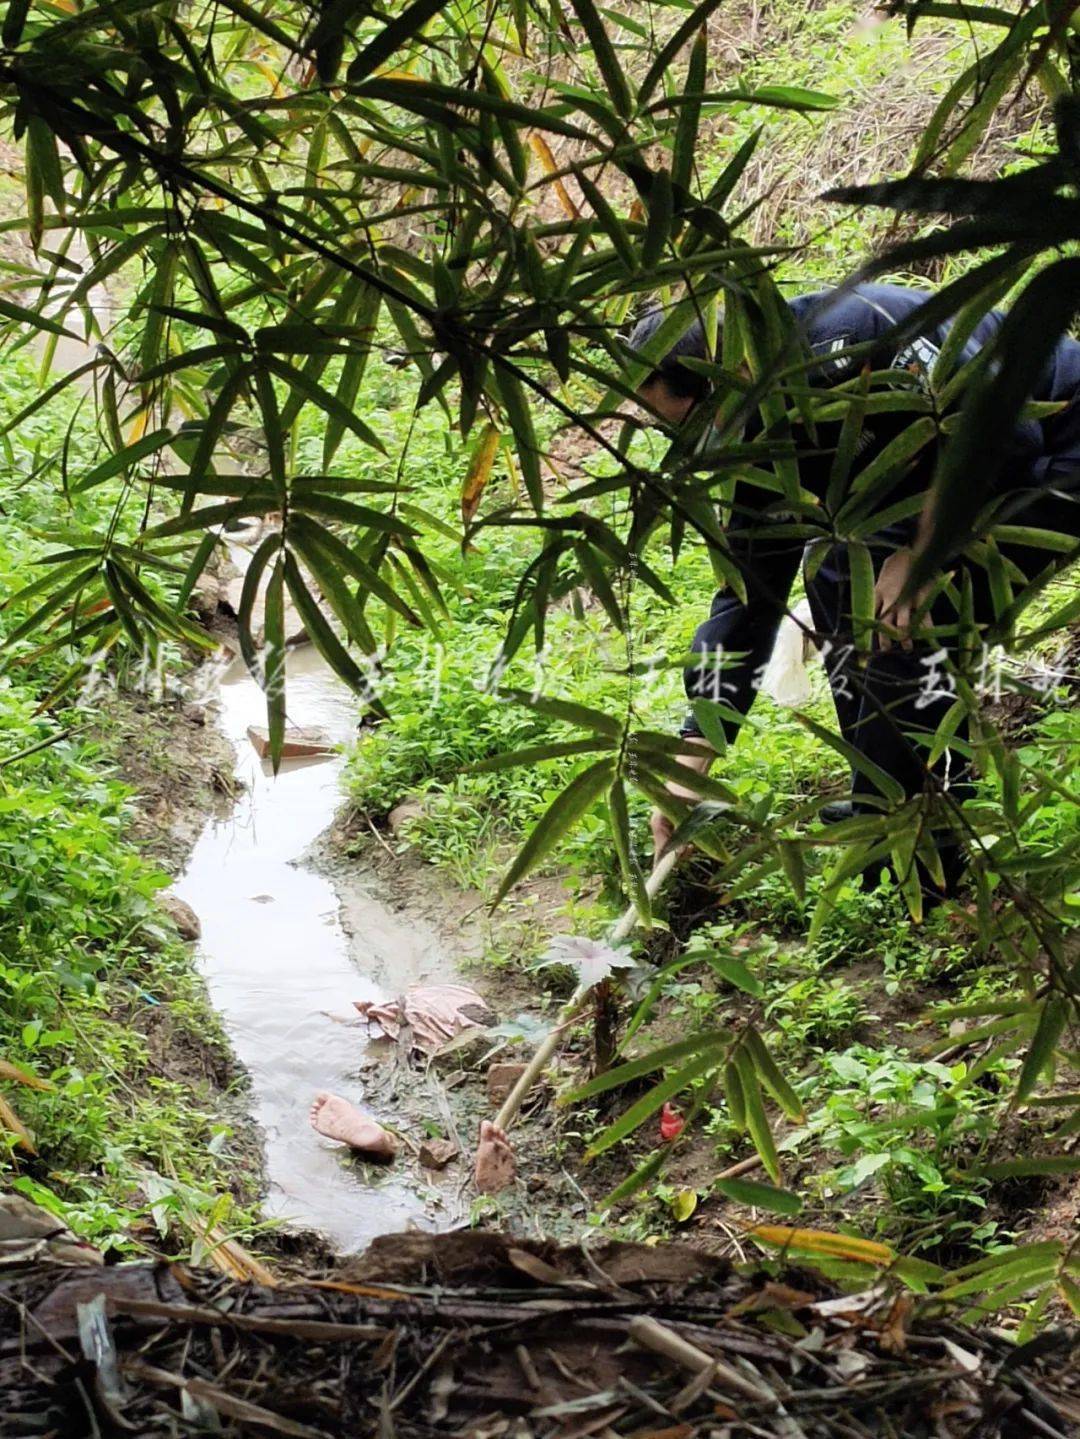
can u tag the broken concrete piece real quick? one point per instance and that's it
(298, 743)
(182, 915)
(437, 1153)
(501, 1079)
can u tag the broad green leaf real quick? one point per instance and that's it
(731, 968)
(683, 1204)
(759, 1196)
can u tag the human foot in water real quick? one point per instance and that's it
(495, 1163)
(337, 1119)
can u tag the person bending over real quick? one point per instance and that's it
(890, 701)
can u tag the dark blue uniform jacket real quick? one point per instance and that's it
(1045, 457)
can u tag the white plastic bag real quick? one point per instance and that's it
(786, 679)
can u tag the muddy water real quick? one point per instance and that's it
(277, 963)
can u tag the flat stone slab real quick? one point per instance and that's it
(297, 744)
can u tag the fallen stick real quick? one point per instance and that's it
(649, 1333)
(574, 1005)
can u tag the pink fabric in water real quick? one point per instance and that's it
(435, 1013)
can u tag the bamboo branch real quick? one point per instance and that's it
(574, 1005)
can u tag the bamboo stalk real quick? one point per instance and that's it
(574, 1005)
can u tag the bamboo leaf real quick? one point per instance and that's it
(536, 754)
(686, 132)
(479, 472)
(791, 857)
(759, 1196)
(408, 26)
(823, 1242)
(319, 629)
(633, 878)
(329, 403)
(274, 670)
(568, 711)
(519, 416)
(1025, 1168)
(734, 1095)
(1040, 1055)
(692, 25)
(771, 1077)
(889, 787)
(757, 1124)
(124, 459)
(711, 1041)
(565, 810)
(611, 68)
(652, 1102)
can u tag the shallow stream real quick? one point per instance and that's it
(276, 958)
(278, 964)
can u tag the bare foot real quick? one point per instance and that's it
(337, 1119)
(495, 1162)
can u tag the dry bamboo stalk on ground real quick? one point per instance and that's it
(648, 1333)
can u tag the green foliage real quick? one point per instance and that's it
(272, 199)
(89, 966)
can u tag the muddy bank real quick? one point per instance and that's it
(449, 934)
(181, 769)
(178, 763)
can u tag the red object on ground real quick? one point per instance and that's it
(672, 1123)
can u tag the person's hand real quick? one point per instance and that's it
(901, 616)
(662, 827)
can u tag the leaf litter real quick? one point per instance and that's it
(482, 1335)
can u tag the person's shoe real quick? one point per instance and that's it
(836, 811)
